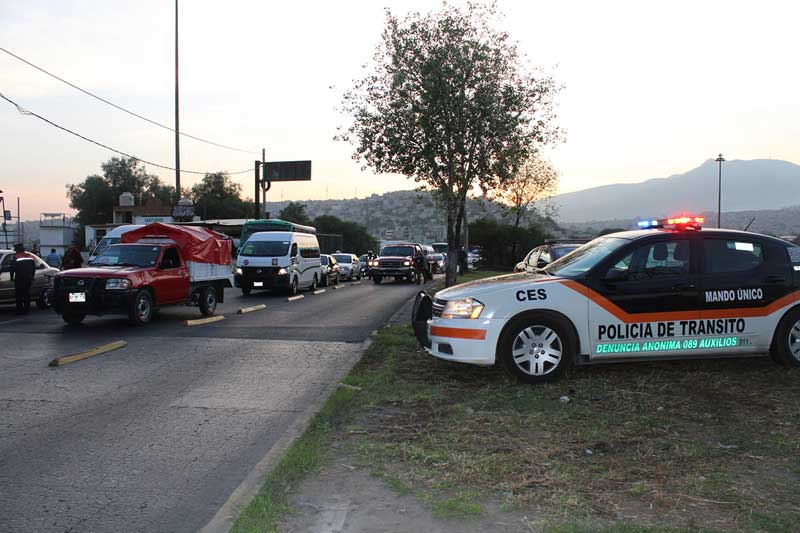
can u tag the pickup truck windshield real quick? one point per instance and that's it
(127, 255)
(405, 251)
(584, 259)
(265, 248)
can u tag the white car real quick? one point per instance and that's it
(670, 291)
(349, 266)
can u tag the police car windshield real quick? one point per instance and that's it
(265, 248)
(127, 255)
(398, 250)
(584, 258)
(105, 243)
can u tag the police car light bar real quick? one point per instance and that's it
(688, 221)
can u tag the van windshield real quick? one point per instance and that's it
(265, 248)
(104, 243)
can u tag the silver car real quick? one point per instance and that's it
(42, 280)
(349, 266)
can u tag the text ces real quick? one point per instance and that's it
(531, 295)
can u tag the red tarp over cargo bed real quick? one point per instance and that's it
(196, 244)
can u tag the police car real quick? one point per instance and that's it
(669, 290)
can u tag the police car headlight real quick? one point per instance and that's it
(463, 308)
(118, 284)
(239, 271)
(282, 272)
(407, 263)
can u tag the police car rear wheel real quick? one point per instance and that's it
(786, 349)
(536, 349)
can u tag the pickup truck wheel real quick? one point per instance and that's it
(73, 319)
(141, 310)
(324, 281)
(413, 277)
(537, 348)
(208, 301)
(376, 280)
(247, 289)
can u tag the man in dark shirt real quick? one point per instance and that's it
(23, 268)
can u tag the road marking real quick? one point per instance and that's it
(319, 291)
(250, 309)
(293, 298)
(201, 321)
(61, 361)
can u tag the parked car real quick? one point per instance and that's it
(329, 270)
(401, 261)
(349, 266)
(279, 260)
(543, 255)
(42, 281)
(154, 266)
(439, 263)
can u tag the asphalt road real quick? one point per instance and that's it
(156, 436)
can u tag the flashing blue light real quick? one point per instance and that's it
(644, 224)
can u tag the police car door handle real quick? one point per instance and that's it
(775, 279)
(682, 286)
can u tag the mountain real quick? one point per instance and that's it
(746, 186)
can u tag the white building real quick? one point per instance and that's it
(56, 230)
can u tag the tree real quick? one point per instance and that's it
(504, 245)
(535, 180)
(355, 238)
(95, 197)
(449, 103)
(295, 212)
(606, 231)
(218, 196)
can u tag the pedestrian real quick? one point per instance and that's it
(52, 259)
(23, 268)
(462, 260)
(72, 258)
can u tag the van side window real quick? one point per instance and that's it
(294, 250)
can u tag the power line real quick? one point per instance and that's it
(112, 104)
(24, 111)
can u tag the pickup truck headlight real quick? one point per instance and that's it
(373, 263)
(282, 272)
(407, 263)
(239, 271)
(118, 284)
(463, 308)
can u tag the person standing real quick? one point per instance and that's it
(52, 259)
(23, 268)
(72, 258)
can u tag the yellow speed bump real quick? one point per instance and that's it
(293, 298)
(250, 309)
(201, 321)
(61, 361)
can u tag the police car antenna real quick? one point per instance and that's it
(748, 224)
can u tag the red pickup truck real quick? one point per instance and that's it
(154, 266)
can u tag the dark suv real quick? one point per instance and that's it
(404, 261)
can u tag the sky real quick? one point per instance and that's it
(650, 88)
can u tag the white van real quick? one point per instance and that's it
(113, 237)
(278, 260)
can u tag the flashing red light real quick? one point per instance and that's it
(681, 221)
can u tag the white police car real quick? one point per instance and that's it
(670, 290)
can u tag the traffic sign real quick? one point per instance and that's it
(287, 171)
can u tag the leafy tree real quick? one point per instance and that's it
(295, 212)
(95, 197)
(218, 196)
(535, 180)
(449, 102)
(355, 238)
(504, 245)
(606, 231)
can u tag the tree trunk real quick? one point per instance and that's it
(455, 214)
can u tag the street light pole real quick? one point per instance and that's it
(177, 122)
(719, 160)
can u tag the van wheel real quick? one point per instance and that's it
(73, 319)
(377, 280)
(208, 301)
(536, 348)
(313, 286)
(141, 310)
(293, 286)
(786, 344)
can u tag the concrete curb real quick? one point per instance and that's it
(250, 309)
(295, 298)
(319, 291)
(201, 321)
(227, 514)
(61, 361)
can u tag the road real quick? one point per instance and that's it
(157, 435)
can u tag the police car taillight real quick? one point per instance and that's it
(687, 222)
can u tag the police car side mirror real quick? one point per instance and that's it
(614, 275)
(541, 263)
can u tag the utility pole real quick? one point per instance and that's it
(263, 187)
(257, 195)
(177, 118)
(719, 160)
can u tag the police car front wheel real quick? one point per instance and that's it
(537, 348)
